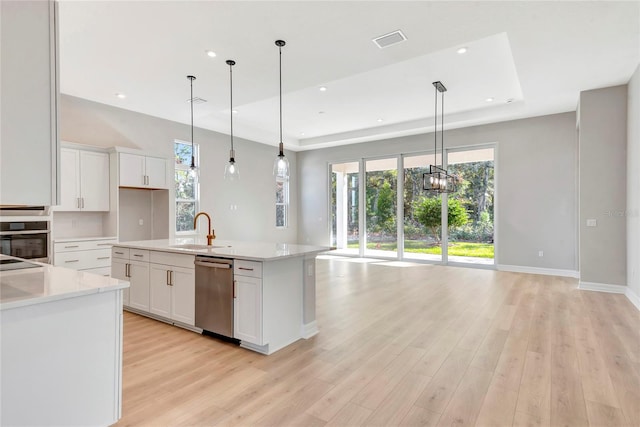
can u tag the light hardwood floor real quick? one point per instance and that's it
(404, 344)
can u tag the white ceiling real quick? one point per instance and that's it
(539, 54)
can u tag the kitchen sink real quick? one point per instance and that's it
(196, 247)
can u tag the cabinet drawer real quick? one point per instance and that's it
(247, 268)
(101, 271)
(139, 255)
(119, 252)
(168, 258)
(83, 245)
(84, 259)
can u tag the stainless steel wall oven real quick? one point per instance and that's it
(27, 239)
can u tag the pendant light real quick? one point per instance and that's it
(438, 180)
(193, 171)
(281, 163)
(231, 171)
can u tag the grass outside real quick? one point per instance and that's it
(470, 249)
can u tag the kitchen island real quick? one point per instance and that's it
(273, 290)
(61, 354)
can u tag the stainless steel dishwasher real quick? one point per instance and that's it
(214, 295)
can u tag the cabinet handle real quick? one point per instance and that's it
(126, 270)
(103, 257)
(138, 255)
(234, 289)
(119, 253)
(171, 277)
(72, 246)
(71, 260)
(78, 202)
(82, 201)
(168, 280)
(244, 268)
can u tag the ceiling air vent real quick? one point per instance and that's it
(197, 100)
(389, 39)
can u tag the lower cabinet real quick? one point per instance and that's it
(247, 304)
(162, 283)
(90, 255)
(172, 293)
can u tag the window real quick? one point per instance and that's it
(187, 193)
(282, 202)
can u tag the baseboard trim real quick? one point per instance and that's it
(633, 297)
(537, 270)
(602, 287)
(309, 329)
(612, 289)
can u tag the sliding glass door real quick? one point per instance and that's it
(422, 213)
(344, 209)
(471, 238)
(381, 194)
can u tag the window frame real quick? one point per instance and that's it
(196, 189)
(285, 203)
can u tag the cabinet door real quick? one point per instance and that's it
(183, 303)
(29, 149)
(69, 180)
(159, 290)
(131, 167)
(247, 310)
(139, 290)
(156, 171)
(94, 181)
(119, 271)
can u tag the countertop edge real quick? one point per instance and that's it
(122, 284)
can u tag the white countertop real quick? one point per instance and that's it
(255, 251)
(46, 283)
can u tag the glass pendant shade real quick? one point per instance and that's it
(231, 171)
(281, 167)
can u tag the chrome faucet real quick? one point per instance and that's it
(211, 234)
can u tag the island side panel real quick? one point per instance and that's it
(282, 302)
(62, 361)
(310, 326)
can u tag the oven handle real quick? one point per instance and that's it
(24, 232)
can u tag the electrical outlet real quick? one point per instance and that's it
(540, 253)
(592, 223)
(140, 221)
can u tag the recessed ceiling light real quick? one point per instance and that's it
(302, 133)
(323, 88)
(121, 95)
(489, 99)
(462, 50)
(210, 53)
(379, 120)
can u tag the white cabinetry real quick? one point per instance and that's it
(247, 304)
(172, 287)
(120, 270)
(139, 171)
(136, 271)
(28, 106)
(92, 256)
(84, 180)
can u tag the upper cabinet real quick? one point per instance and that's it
(139, 171)
(84, 180)
(28, 106)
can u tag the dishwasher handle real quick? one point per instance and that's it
(213, 264)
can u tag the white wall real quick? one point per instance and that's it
(633, 183)
(536, 178)
(603, 182)
(91, 123)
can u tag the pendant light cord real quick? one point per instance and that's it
(435, 130)
(193, 154)
(442, 128)
(231, 100)
(280, 72)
